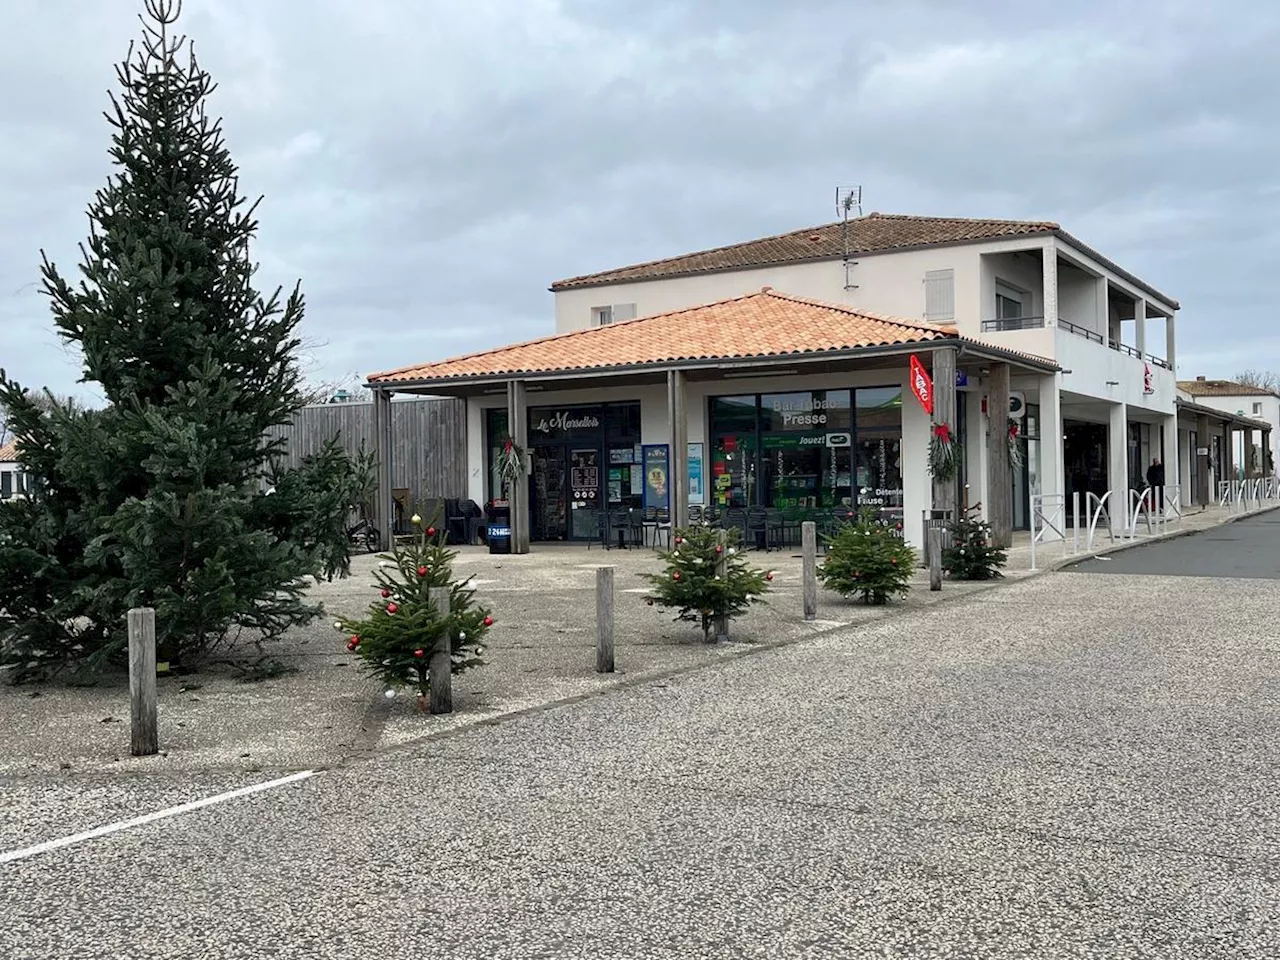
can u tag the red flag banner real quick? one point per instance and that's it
(921, 385)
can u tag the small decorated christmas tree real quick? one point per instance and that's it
(398, 634)
(868, 558)
(707, 577)
(972, 555)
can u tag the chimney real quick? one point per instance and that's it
(1199, 379)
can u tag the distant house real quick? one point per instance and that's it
(1257, 403)
(12, 479)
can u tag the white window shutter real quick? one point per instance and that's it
(624, 311)
(940, 295)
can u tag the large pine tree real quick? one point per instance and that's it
(159, 498)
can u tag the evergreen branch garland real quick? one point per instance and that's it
(944, 458)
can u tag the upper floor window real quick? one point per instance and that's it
(1257, 408)
(1010, 302)
(940, 295)
(612, 314)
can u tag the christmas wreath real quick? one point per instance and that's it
(943, 459)
(1015, 449)
(510, 462)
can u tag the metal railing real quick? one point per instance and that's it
(1096, 507)
(1004, 324)
(1049, 514)
(1080, 331)
(1125, 348)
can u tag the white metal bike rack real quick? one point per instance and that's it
(1096, 507)
(1048, 512)
(1141, 503)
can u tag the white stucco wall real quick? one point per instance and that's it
(1244, 405)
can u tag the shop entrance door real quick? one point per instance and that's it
(548, 496)
(585, 494)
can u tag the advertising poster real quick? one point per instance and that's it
(697, 496)
(656, 489)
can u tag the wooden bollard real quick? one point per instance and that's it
(721, 630)
(809, 568)
(144, 737)
(441, 663)
(604, 620)
(935, 558)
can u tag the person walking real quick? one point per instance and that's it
(1155, 480)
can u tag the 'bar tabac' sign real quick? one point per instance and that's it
(921, 385)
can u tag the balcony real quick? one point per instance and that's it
(1005, 324)
(1096, 337)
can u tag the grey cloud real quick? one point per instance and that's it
(430, 167)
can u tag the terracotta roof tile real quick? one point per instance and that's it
(764, 324)
(1223, 388)
(8, 452)
(872, 233)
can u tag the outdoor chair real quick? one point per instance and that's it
(662, 527)
(758, 528)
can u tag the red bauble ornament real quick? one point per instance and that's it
(676, 575)
(488, 621)
(768, 576)
(431, 531)
(351, 645)
(419, 654)
(679, 540)
(719, 549)
(385, 594)
(392, 608)
(422, 571)
(894, 561)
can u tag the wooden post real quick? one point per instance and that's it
(999, 479)
(143, 732)
(518, 496)
(809, 553)
(944, 412)
(722, 567)
(1204, 491)
(385, 511)
(441, 663)
(678, 458)
(935, 558)
(604, 620)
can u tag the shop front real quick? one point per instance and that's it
(813, 449)
(583, 459)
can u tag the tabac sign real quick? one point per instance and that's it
(921, 385)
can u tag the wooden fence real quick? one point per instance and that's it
(428, 440)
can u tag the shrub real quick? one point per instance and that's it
(868, 558)
(693, 583)
(971, 554)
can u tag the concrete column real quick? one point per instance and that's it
(1228, 453)
(999, 480)
(1118, 466)
(1204, 483)
(1052, 475)
(1049, 279)
(678, 464)
(1140, 325)
(944, 412)
(383, 510)
(1172, 462)
(1104, 313)
(1170, 342)
(518, 497)
(976, 439)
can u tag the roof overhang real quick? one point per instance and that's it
(470, 385)
(1214, 413)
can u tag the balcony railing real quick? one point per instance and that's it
(1012, 323)
(1080, 331)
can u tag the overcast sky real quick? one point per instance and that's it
(430, 167)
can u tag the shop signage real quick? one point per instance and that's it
(1017, 405)
(921, 385)
(962, 378)
(655, 476)
(839, 440)
(567, 420)
(802, 411)
(696, 494)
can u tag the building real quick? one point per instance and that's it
(1243, 400)
(12, 479)
(780, 370)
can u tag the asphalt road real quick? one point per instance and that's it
(1247, 548)
(1073, 766)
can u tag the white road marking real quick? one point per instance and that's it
(110, 828)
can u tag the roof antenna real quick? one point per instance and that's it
(848, 199)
